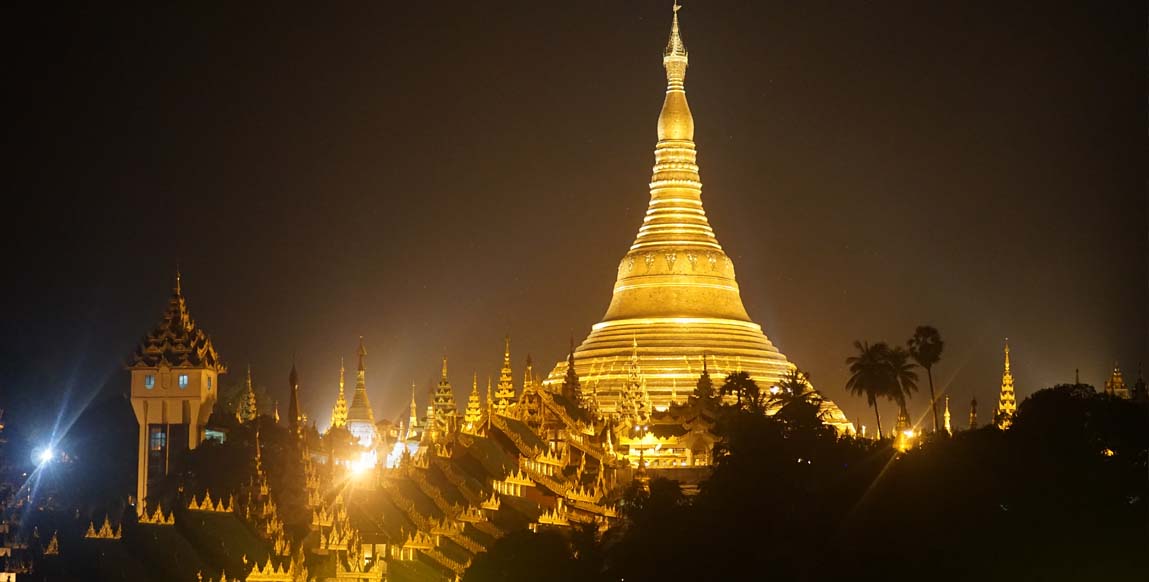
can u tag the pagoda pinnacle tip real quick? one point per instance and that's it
(675, 47)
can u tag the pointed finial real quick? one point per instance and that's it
(675, 48)
(1006, 354)
(179, 287)
(362, 355)
(443, 377)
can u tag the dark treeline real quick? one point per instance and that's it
(1060, 495)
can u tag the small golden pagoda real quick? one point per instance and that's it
(360, 418)
(1006, 400)
(1115, 385)
(474, 411)
(339, 411)
(505, 392)
(675, 295)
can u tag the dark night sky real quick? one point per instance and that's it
(433, 175)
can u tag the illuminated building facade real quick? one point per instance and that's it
(174, 382)
(675, 295)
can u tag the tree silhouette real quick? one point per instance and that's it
(745, 390)
(926, 349)
(903, 378)
(870, 375)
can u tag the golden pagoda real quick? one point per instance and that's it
(474, 411)
(339, 410)
(505, 392)
(1115, 385)
(675, 295)
(360, 417)
(247, 410)
(443, 400)
(1007, 400)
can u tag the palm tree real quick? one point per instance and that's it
(793, 387)
(926, 349)
(743, 387)
(870, 375)
(903, 378)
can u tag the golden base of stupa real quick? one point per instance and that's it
(671, 355)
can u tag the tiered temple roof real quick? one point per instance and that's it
(177, 341)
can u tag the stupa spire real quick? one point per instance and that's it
(1007, 400)
(443, 400)
(414, 419)
(339, 411)
(360, 417)
(247, 410)
(505, 391)
(474, 406)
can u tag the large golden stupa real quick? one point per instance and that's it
(675, 300)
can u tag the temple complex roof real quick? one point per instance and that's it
(176, 341)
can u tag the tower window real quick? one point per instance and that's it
(183, 381)
(157, 439)
(150, 381)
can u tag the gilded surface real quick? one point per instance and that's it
(675, 294)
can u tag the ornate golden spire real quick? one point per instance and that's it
(1007, 400)
(360, 417)
(444, 399)
(505, 392)
(247, 410)
(339, 412)
(474, 407)
(414, 420)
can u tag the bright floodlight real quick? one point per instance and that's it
(362, 464)
(45, 456)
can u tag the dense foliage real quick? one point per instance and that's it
(1061, 495)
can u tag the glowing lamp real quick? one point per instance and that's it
(45, 456)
